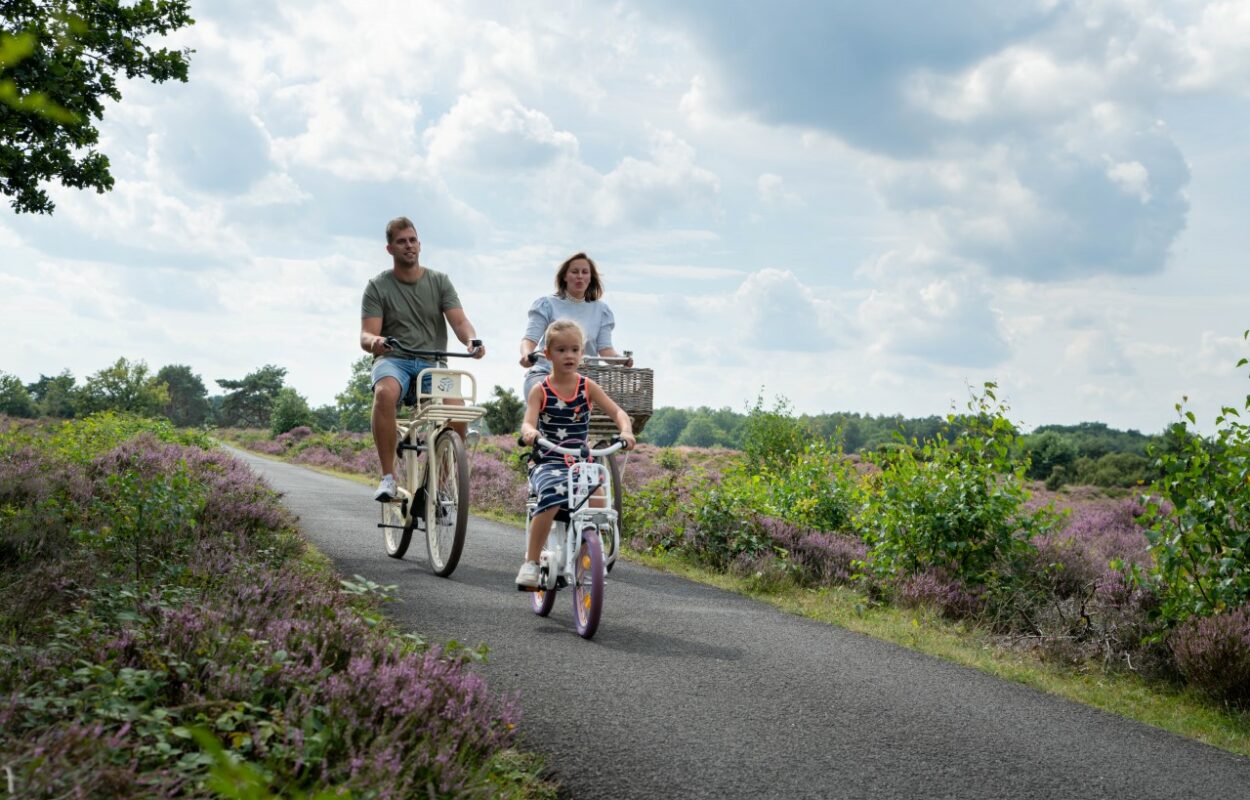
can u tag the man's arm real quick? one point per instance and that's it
(463, 329)
(371, 339)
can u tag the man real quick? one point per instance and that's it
(408, 302)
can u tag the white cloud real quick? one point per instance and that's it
(491, 131)
(773, 191)
(669, 183)
(964, 192)
(1096, 352)
(775, 311)
(1132, 177)
(1021, 81)
(932, 310)
(1219, 48)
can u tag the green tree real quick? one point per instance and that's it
(665, 425)
(290, 410)
(125, 386)
(1046, 451)
(325, 418)
(56, 396)
(248, 401)
(701, 431)
(14, 398)
(505, 412)
(188, 399)
(60, 62)
(355, 403)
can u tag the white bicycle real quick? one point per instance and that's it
(434, 494)
(580, 535)
(631, 389)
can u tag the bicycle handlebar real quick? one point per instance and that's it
(583, 451)
(393, 344)
(534, 357)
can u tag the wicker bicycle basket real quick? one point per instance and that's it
(629, 387)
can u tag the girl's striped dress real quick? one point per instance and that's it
(564, 421)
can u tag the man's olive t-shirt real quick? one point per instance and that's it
(411, 312)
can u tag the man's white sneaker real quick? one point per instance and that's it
(387, 490)
(527, 578)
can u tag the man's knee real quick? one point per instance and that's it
(386, 394)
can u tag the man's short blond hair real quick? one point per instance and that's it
(396, 225)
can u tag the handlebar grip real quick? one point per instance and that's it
(532, 358)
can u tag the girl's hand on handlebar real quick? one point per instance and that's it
(528, 437)
(630, 441)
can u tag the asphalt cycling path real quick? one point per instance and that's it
(688, 691)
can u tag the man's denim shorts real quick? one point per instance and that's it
(402, 370)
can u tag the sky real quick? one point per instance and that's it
(854, 207)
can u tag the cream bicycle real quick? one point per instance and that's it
(434, 492)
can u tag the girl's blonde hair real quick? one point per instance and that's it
(562, 326)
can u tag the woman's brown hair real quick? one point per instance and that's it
(593, 291)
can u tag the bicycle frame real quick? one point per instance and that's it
(561, 549)
(426, 499)
(429, 416)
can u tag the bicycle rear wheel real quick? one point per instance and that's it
(448, 510)
(588, 576)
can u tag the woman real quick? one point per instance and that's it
(578, 290)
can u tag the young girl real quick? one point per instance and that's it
(558, 409)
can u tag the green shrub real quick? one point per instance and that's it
(819, 489)
(772, 440)
(1198, 517)
(954, 506)
(726, 522)
(290, 410)
(1113, 469)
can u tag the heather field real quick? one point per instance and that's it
(164, 632)
(1096, 582)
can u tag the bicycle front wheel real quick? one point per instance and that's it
(618, 493)
(588, 583)
(542, 601)
(447, 514)
(396, 530)
(400, 516)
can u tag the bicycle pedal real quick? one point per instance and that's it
(521, 588)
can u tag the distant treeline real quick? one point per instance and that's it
(1089, 453)
(260, 399)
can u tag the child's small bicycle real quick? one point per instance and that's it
(631, 389)
(581, 533)
(434, 494)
